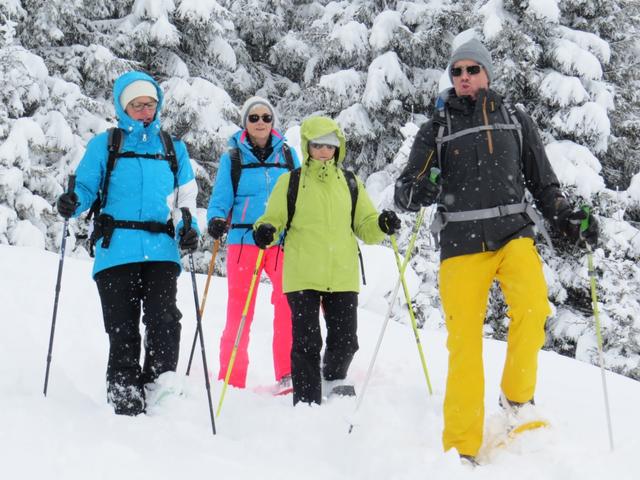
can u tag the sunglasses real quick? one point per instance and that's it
(318, 146)
(254, 117)
(471, 70)
(138, 107)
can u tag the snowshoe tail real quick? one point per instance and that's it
(343, 391)
(525, 427)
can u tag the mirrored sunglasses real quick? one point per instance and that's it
(254, 117)
(318, 146)
(139, 106)
(471, 70)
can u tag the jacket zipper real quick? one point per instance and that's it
(426, 165)
(486, 122)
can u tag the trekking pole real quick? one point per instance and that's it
(596, 315)
(63, 245)
(232, 359)
(412, 316)
(385, 322)
(216, 246)
(186, 220)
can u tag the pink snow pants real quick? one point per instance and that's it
(239, 272)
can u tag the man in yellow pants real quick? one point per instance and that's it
(477, 158)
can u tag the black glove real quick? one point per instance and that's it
(263, 235)
(579, 225)
(217, 227)
(67, 204)
(188, 240)
(427, 188)
(389, 222)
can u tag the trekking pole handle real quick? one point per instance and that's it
(434, 174)
(71, 185)
(584, 224)
(186, 219)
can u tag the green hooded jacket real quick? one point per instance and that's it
(321, 250)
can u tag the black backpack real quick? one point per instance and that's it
(103, 225)
(292, 197)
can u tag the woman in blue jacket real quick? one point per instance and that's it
(137, 261)
(247, 173)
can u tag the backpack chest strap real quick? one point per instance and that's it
(479, 128)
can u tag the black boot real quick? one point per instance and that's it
(126, 395)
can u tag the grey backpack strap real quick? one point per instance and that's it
(441, 218)
(509, 113)
(485, 213)
(439, 141)
(479, 128)
(537, 220)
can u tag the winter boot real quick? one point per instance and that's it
(126, 399)
(125, 392)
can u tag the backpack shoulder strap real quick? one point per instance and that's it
(352, 183)
(114, 144)
(170, 153)
(292, 195)
(441, 124)
(236, 168)
(288, 158)
(511, 115)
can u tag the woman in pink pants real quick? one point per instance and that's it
(247, 173)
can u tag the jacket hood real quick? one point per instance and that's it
(125, 121)
(314, 127)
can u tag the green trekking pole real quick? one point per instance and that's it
(405, 262)
(245, 310)
(596, 315)
(412, 315)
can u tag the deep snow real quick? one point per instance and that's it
(73, 434)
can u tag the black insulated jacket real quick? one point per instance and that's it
(480, 170)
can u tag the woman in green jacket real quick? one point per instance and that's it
(321, 264)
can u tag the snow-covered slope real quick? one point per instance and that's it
(73, 434)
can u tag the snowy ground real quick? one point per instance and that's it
(73, 434)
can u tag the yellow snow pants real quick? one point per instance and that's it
(465, 282)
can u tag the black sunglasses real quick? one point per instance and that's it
(254, 117)
(471, 70)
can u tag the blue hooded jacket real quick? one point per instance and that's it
(140, 189)
(254, 187)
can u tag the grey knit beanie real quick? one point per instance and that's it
(473, 50)
(254, 102)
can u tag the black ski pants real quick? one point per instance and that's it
(341, 317)
(124, 291)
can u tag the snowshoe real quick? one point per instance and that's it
(469, 461)
(337, 388)
(343, 391)
(166, 386)
(284, 386)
